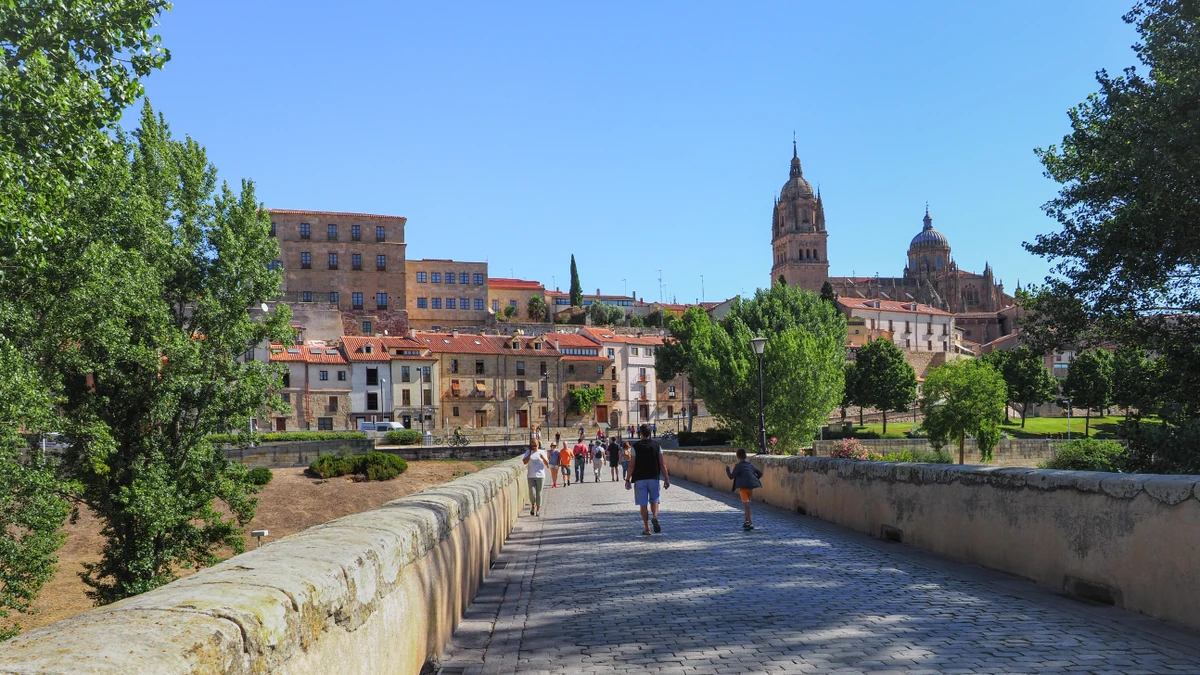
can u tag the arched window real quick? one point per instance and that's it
(939, 262)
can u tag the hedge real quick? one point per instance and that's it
(371, 466)
(278, 436)
(403, 437)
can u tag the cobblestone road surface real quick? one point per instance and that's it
(579, 590)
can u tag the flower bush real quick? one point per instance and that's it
(849, 448)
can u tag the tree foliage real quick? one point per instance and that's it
(583, 401)
(605, 315)
(576, 287)
(1026, 380)
(884, 380)
(1135, 381)
(802, 364)
(850, 391)
(961, 398)
(827, 293)
(1089, 383)
(536, 308)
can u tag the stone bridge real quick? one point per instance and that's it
(855, 567)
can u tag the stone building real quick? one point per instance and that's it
(631, 375)
(446, 294)
(798, 236)
(415, 378)
(316, 386)
(353, 262)
(515, 293)
(910, 325)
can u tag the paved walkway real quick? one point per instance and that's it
(580, 590)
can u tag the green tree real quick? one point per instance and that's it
(960, 398)
(827, 293)
(1026, 379)
(658, 319)
(536, 307)
(850, 392)
(885, 381)
(802, 364)
(509, 312)
(781, 280)
(605, 315)
(636, 321)
(1089, 383)
(1136, 380)
(576, 287)
(583, 401)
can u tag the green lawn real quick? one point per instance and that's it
(1035, 427)
(894, 429)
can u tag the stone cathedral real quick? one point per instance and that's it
(931, 275)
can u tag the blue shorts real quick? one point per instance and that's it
(646, 491)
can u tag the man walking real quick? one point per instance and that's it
(580, 452)
(614, 457)
(646, 466)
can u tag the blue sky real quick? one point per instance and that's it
(641, 136)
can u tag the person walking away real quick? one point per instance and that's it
(597, 461)
(554, 464)
(745, 480)
(581, 454)
(535, 460)
(626, 449)
(614, 458)
(646, 467)
(564, 463)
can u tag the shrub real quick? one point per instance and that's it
(331, 466)
(849, 448)
(260, 475)
(380, 466)
(276, 436)
(403, 437)
(1088, 454)
(917, 456)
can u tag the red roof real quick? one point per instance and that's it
(605, 335)
(889, 306)
(342, 214)
(515, 284)
(394, 344)
(575, 341)
(356, 348)
(309, 352)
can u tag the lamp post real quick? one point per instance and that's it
(529, 399)
(759, 344)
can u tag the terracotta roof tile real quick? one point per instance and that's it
(515, 284)
(332, 214)
(890, 306)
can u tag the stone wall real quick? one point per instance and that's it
(466, 453)
(375, 592)
(1128, 540)
(1028, 452)
(296, 453)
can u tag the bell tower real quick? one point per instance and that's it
(798, 236)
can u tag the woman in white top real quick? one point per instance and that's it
(536, 460)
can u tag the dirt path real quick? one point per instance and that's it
(292, 502)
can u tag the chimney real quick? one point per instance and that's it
(597, 291)
(454, 333)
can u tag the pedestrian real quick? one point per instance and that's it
(564, 464)
(625, 454)
(581, 429)
(536, 461)
(558, 438)
(646, 466)
(554, 464)
(597, 461)
(745, 480)
(581, 455)
(614, 458)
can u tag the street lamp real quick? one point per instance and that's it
(529, 399)
(759, 344)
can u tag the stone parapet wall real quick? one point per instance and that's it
(1008, 452)
(1126, 539)
(296, 453)
(375, 592)
(465, 453)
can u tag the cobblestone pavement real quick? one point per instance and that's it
(580, 590)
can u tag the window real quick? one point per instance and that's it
(571, 369)
(435, 277)
(890, 328)
(286, 398)
(451, 303)
(520, 370)
(380, 233)
(479, 368)
(372, 400)
(542, 367)
(324, 424)
(381, 263)
(464, 303)
(356, 261)
(454, 411)
(614, 392)
(333, 297)
(521, 387)
(331, 232)
(405, 397)
(649, 351)
(496, 306)
(324, 375)
(436, 303)
(422, 303)
(422, 277)
(671, 391)
(512, 303)
(333, 261)
(306, 261)
(372, 377)
(355, 233)
(426, 397)
(404, 374)
(544, 389)
(341, 376)
(633, 350)
(306, 296)
(272, 228)
(356, 300)
(479, 304)
(464, 278)
(367, 331)
(449, 277)
(275, 264)
(426, 374)
(478, 279)
(611, 353)
(287, 380)
(304, 231)
(454, 365)
(381, 301)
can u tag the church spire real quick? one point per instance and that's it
(795, 173)
(927, 220)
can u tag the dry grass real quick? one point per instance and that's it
(292, 502)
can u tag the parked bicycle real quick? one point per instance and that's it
(456, 439)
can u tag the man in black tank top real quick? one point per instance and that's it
(646, 467)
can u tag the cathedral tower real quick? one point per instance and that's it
(798, 235)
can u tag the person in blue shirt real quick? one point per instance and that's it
(745, 480)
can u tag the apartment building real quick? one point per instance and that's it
(631, 377)
(912, 326)
(350, 261)
(446, 294)
(515, 293)
(316, 386)
(414, 381)
(582, 365)
(371, 394)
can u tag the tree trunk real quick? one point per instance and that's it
(1087, 423)
(860, 415)
(962, 440)
(884, 423)
(1024, 412)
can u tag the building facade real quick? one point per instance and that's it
(631, 377)
(912, 326)
(799, 241)
(446, 294)
(515, 293)
(316, 386)
(582, 365)
(370, 379)
(415, 378)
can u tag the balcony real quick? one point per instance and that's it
(642, 378)
(522, 393)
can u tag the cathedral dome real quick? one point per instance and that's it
(796, 187)
(929, 237)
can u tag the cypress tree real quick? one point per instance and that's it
(576, 287)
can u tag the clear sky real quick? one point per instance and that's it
(643, 135)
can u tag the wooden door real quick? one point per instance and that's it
(523, 418)
(601, 414)
(480, 419)
(280, 424)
